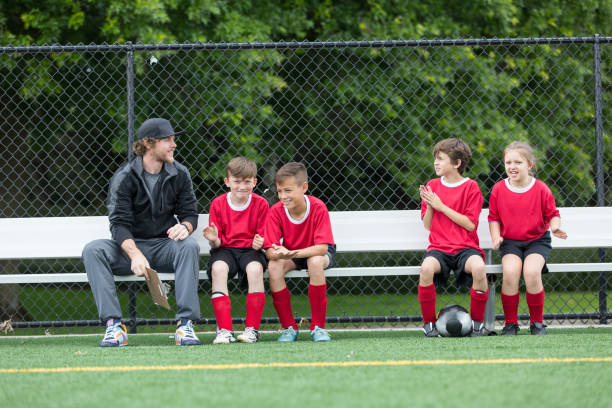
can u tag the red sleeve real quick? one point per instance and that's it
(423, 209)
(323, 231)
(549, 207)
(262, 217)
(474, 200)
(493, 213)
(273, 233)
(213, 215)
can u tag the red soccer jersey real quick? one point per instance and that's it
(465, 198)
(238, 225)
(523, 214)
(313, 229)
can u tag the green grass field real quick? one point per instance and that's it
(356, 369)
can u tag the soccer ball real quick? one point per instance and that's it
(454, 321)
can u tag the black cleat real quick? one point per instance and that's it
(478, 329)
(537, 328)
(510, 329)
(430, 330)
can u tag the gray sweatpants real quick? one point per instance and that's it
(104, 258)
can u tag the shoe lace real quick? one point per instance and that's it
(110, 330)
(287, 331)
(225, 333)
(188, 329)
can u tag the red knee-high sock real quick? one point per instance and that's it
(222, 307)
(317, 295)
(255, 303)
(282, 304)
(427, 298)
(510, 304)
(535, 301)
(478, 303)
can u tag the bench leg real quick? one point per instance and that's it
(132, 307)
(489, 317)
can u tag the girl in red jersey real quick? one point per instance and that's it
(521, 210)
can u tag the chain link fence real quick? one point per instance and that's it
(363, 117)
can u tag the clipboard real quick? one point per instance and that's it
(157, 289)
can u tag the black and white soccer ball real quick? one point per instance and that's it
(454, 321)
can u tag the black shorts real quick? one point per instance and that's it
(522, 249)
(302, 263)
(455, 262)
(237, 260)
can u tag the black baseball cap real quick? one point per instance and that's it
(156, 128)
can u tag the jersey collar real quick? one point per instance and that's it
(520, 190)
(237, 208)
(457, 184)
(300, 221)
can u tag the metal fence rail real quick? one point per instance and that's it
(362, 115)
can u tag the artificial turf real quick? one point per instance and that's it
(535, 383)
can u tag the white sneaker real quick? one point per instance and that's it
(224, 336)
(250, 335)
(116, 334)
(185, 335)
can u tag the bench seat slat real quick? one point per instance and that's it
(334, 272)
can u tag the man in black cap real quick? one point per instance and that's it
(152, 212)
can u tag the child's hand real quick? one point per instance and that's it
(422, 191)
(283, 252)
(258, 242)
(211, 232)
(497, 242)
(431, 198)
(558, 232)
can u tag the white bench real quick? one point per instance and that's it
(354, 231)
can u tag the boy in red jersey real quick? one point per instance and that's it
(302, 222)
(450, 210)
(236, 235)
(521, 210)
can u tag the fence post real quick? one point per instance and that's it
(489, 317)
(130, 119)
(599, 175)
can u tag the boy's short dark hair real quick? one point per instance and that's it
(241, 167)
(292, 169)
(456, 149)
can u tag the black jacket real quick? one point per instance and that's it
(131, 210)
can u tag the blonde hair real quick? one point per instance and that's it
(141, 146)
(456, 149)
(526, 151)
(241, 167)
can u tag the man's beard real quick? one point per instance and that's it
(165, 158)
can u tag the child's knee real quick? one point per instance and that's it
(254, 270)
(532, 275)
(479, 272)
(317, 263)
(275, 269)
(427, 271)
(219, 270)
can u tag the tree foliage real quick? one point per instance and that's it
(364, 120)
